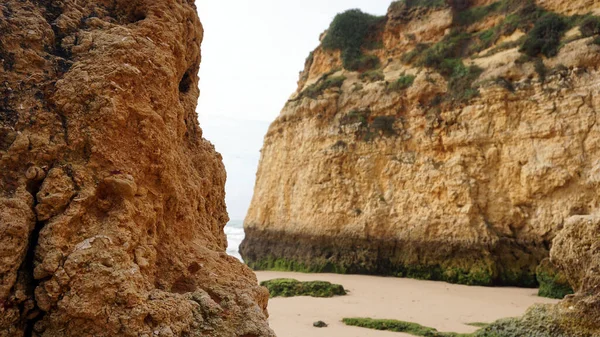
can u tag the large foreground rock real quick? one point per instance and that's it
(111, 202)
(577, 252)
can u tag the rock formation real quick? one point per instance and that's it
(111, 202)
(452, 140)
(576, 251)
(446, 140)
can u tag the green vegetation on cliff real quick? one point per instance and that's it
(403, 82)
(590, 26)
(545, 36)
(284, 287)
(544, 31)
(372, 75)
(325, 82)
(351, 32)
(446, 58)
(419, 3)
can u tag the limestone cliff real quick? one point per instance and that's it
(111, 202)
(453, 141)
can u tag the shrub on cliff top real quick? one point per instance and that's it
(419, 3)
(284, 287)
(350, 32)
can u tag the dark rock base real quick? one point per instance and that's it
(507, 262)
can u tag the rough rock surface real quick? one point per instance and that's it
(576, 251)
(111, 202)
(366, 179)
(571, 6)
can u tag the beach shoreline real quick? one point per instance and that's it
(446, 307)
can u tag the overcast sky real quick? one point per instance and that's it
(251, 56)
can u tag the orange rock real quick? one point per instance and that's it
(124, 237)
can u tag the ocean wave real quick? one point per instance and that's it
(235, 235)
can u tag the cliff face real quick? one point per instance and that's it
(455, 146)
(111, 202)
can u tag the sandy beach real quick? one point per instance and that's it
(446, 307)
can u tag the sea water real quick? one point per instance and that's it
(235, 234)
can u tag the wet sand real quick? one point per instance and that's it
(446, 307)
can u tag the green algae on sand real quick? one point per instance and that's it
(400, 326)
(284, 287)
(539, 321)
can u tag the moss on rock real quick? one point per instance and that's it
(400, 326)
(553, 283)
(539, 321)
(282, 264)
(285, 287)
(503, 264)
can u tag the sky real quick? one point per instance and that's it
(252, 54)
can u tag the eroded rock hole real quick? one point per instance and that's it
(126, 14)
(137, 16)
(63, 65)
(186, 82)
(184, 285)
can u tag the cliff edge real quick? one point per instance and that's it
(111, 203)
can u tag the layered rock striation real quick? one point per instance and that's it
(447, 140)
(111, 202)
